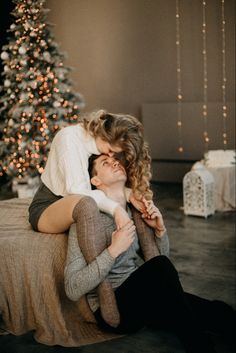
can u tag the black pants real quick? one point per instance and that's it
(153, 295)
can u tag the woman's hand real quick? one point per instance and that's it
(121, 217)
(153, 217)
(122, 239)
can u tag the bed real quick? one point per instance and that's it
(32, 296)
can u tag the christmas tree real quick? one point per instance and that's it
(36, 97)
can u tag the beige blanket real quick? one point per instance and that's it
(224, 188)
(32, 295)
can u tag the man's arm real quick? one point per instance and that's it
(153, 217)
(80, 278)
(163, 244)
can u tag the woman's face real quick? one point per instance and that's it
(104, 147)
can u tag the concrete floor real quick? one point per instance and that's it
(203, 251)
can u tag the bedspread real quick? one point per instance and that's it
(32, 295)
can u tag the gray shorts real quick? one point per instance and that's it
(42, 199)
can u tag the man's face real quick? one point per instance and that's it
(108, 171)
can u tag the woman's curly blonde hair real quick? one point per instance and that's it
(126, 132)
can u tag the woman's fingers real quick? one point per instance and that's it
(153, 215)
(149, 205)
(145, 202)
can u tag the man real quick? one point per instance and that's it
(108, 175)
(147, 293)
(116, 254)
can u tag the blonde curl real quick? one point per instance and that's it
(126, 132)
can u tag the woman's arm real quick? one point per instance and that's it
(66, 171)
(74, 171)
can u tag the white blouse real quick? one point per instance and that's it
(66, 170)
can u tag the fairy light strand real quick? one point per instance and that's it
(205, 79)
(224, 106)
(179, 82)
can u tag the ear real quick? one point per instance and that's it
(95, 181)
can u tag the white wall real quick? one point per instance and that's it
(124, 55)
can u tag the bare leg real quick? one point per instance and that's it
(57, 218)
(92, 241)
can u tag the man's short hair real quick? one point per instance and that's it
(91, 167)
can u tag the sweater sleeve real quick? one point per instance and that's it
(163, 244)
(80, 277)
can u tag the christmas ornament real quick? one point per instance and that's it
(10, 122)
(7, 83)
(22, 50)
(56, 104)
(4, 55)
(23, 62)
(47, 56)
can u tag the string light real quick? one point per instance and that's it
(179, 83)
(205, 79)
(224, 106)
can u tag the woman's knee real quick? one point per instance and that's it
(86, 207)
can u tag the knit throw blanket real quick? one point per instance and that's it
(32, 296)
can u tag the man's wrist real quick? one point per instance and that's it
(112, 252)
(159, 232)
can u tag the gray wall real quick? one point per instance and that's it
(124, 55)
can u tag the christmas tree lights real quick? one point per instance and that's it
(36, 98)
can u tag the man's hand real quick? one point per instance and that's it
(153, 217)
(122, 239)
(121, 217)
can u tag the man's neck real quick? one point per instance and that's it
(116, 192)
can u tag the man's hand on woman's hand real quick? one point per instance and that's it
(122, 239)
(121, 217)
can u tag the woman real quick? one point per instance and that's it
(65, 178)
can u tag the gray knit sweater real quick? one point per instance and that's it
(82, 278)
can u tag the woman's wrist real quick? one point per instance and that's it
(118, 208)
(128, 194)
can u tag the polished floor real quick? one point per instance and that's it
(203, 251)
